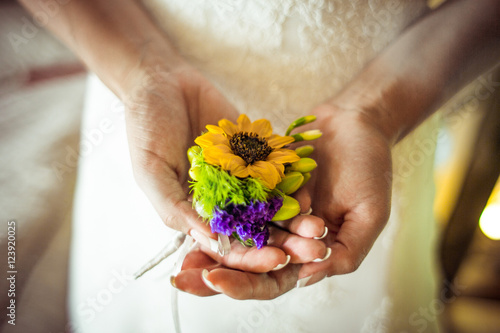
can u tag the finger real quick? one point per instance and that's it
(251, 259)
(310, 279)
(189, 278)
(303, 196)
(191, 282)
(198, 259)
(308, 226)
(244, 285)
(196, 279)
(171, 202)
(300, 249)
(351, 244)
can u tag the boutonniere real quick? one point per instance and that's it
(243, 175)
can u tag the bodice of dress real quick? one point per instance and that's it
(278, 59)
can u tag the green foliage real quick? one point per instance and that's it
(216, 187)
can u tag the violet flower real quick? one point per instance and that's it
(248, 221)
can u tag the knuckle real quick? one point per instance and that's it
(350, 264)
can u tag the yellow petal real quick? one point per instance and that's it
(244, 124)
(239, 170)
(283, 156)
(228, 127)
(278, 141)
(262, 128)
(210, 139)
(215, 154)
(214, 129)
(233, 163)
(280, 167)
(266, 172)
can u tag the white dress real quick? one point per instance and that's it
(274, 60)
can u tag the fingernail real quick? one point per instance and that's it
(302, 282)
(327, 255)
(224, 246)
(308, 212)
(280, 266)
(172, 281)
(324, 234)
(204, 277)
(212, 244)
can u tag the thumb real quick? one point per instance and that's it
(170, 200)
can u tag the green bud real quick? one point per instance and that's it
(193, 152)
(306, 176)
(289, 209)
(194, 172)
(303, 165)
(299, 122)
(307, 135)
(304, 151)
(291, 182)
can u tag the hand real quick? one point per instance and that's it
(166, 110)
(350, 192)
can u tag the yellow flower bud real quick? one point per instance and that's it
(192, 152)
(289, 209)
(291, 182)
(303, 165)
(307, 135)
(306, 176)
(304, 151)
(299, 122)
(194, 172)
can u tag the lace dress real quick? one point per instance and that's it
(277, 60)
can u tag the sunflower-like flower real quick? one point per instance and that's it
(248, 149)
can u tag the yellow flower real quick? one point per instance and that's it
(247, 149)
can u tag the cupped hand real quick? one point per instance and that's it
(203, 276)
(351, 189)
(350, 193)
(166, 109)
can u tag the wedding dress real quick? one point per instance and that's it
(274, 60)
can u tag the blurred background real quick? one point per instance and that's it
(42, 87)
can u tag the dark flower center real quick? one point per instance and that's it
(250, 147)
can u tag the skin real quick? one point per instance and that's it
(168, 103)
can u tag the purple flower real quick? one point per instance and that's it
(248, 221)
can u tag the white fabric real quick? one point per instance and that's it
(272, 59)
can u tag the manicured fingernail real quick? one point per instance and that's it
(204, 277)
(280, 266)
(308, 212)
(324, 234)
(302, 282)
(223, 245)
(212, 244)
(327, 255)
(172, 281)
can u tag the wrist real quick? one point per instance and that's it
(347, 111)
(151, 65)
(381, 97)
